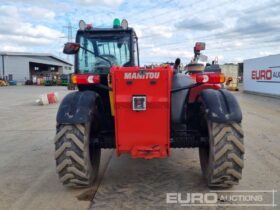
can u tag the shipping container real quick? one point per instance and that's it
(262, 75)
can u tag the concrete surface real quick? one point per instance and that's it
(27, 168)
(141, 184)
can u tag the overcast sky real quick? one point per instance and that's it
(233, 30)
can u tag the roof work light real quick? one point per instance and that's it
(124, 24)
(82, 25)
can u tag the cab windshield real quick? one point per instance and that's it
(113, 48)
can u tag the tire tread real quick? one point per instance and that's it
(72, 156)
(227, 155)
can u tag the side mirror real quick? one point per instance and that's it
(199, 46)
(71, 48)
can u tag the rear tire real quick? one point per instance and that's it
(222, 161)
(77, 160)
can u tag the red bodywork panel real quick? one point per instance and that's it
(195, 91)
(142, 134)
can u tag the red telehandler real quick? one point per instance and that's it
(143, 112)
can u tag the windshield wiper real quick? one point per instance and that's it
(99, 56)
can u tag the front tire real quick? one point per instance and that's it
(77, 160)
(223, 159)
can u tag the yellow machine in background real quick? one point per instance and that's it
(232, 83)
(4, 82)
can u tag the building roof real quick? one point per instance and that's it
(41, 55)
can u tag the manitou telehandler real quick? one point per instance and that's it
(143, 112)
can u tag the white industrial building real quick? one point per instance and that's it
(262, 75)
(23, 66)
(230, 70)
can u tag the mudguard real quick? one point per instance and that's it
(76, 107)
(178, 99)
(221, 106)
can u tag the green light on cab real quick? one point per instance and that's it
(116, 23)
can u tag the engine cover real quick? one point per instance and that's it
(141, 99)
